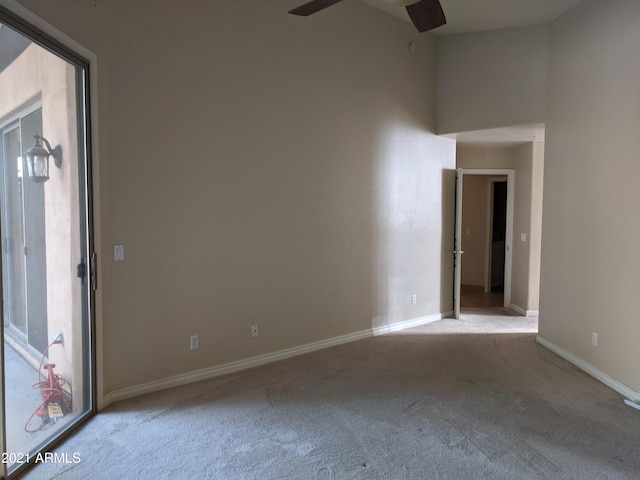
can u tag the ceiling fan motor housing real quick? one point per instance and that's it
(425, 14)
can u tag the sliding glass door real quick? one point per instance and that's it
(47, 381)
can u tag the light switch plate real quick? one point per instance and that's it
(118, 253)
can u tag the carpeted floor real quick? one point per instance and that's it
(475, 398)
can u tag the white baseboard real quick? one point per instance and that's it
(231, 367)
(632, 404)
(609, 381)
(415, 322)
(212, 372)
(525, 313)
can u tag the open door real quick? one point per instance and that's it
(457, 245)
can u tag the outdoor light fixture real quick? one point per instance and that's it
(38, 159)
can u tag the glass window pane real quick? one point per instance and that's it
(43, 224)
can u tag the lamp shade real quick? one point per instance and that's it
(37, 162)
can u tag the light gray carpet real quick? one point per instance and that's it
(476, 398)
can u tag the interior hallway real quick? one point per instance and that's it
(475, 297)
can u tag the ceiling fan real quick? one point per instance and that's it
(425, 14)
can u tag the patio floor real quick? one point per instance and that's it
(21, 400)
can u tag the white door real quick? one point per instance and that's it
(457, 245)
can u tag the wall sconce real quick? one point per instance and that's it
(38, 159)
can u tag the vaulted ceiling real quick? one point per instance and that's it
(467, 16)
(472, 16)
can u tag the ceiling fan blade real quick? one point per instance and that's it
(312, 7)
(426, 15)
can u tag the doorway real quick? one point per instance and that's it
(485, 225)
(484, 219)
(497, 231)
(47, 385)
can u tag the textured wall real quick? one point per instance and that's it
(589, 275)
(260, 168)
(492, 79)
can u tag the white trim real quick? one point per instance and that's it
(525, 313)
(610, 382)
(415, 322)
(632, 404)
(231, 367)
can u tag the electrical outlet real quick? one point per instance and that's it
(414, 299)
(594, 339)
(254, 330)
(193, 342)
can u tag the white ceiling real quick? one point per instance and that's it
(469, 16)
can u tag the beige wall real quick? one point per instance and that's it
(527, 161)
(236, 76)
(523, 163)
(535, 227)
(260, 168)
(589, 273)
(492, 79)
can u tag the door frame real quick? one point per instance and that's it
(40, 31)
(16, 122)
(508, 262)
